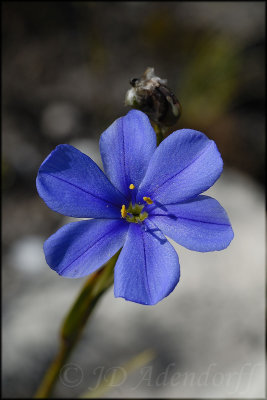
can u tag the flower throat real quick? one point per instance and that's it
(134, 213)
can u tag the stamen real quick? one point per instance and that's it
(134, 213)
(123, 211)
(133, 194)
(148, 200)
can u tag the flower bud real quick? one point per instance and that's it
(151, 95)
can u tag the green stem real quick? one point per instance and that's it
(160, 132)
(75, 321)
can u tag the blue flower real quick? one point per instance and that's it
(148, 192)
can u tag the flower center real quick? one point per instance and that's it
(134, 213)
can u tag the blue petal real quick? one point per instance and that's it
(184, 165)
(79, 248)
(126, 148)
(200, 224)
(147, 269)
(72, 184)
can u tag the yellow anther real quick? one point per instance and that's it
(148, 200)
(123, 211)
(131, 186)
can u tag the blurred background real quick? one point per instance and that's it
(66, 68)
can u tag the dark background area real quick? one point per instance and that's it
(66, 68)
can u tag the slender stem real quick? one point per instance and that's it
(52, 373)
(160, 131)
(75, 321)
